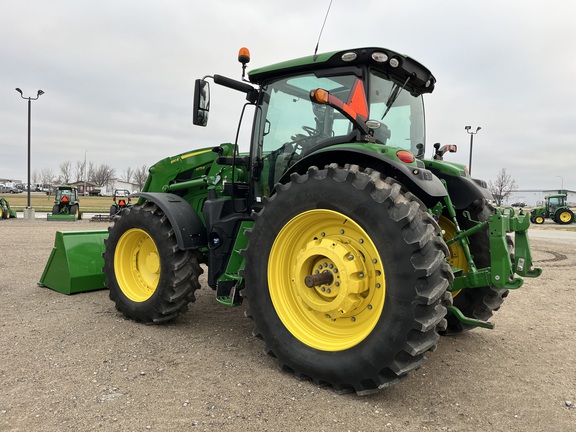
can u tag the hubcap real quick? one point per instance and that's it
(326, 280)
(565, 217)
(137, 265)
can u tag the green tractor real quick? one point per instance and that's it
(353, 250)
(6, 211)
(554, 208)
(121, 201)
(66, 204)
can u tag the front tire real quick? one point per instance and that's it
(150, 279)
(378, 279)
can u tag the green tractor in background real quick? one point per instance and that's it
(6, 211)
(353, 250)
(554, 208)
(121, 201)
(66, 204)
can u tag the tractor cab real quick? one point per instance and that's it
(554, 202)
(121, 200)
(65, 195)
(366, 101)
(66, 205)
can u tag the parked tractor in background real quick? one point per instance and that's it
(66, 204)
(352, 249)
(122, 201)
(554, 208)
(6, 211)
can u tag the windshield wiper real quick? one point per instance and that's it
(394, 93)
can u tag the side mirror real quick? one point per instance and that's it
(201, 102)
(439, 152)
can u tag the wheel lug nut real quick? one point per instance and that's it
(350, 257)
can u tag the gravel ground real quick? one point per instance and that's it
(72, 363)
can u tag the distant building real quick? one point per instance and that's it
(90, 187)
(107, 190)
(535, 197)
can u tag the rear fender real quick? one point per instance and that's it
(415, 177)
(188, 228)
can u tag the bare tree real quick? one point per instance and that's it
(36, 176)
(140, 176)
(102, 175)
(47, 176)
(65, 172)
(127, 175)
(91, 171)
(79, 172)
(502, 187)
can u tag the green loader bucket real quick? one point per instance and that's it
(61, 217)
(75, 264)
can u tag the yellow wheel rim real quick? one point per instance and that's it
(539, 219)
(342, 311)
(565, 217)
(457, 259)
(137, 265)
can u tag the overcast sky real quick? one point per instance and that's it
(118, 75)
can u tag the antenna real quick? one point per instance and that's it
(321, 30)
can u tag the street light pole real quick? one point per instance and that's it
(468, 129)
(29, 212)
(84, 173)
(562, 184)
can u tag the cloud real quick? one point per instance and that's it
(119, 76)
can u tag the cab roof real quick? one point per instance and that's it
(399, 67)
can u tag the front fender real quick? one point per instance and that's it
(188, 228)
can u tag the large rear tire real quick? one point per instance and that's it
(346, 279)
(478, 303)
(74, 210)
(564, 216)
(150, 279)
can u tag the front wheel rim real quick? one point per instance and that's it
(137, 265)
(342, 308)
